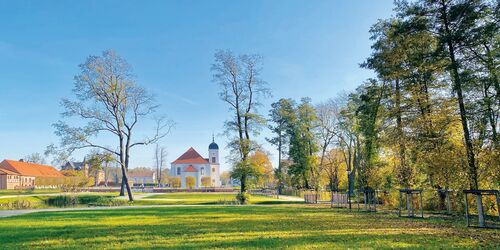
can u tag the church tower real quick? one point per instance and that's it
(213, 152)
(213, 159)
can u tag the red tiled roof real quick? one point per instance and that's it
(29, 169)
(5, 171)
(191, 156)
(190, 168)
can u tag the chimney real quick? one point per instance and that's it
(21, 160)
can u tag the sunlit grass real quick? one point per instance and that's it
(238, 227)
(203, 199)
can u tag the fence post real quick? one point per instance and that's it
(365, 194)
(448, 201)
(357, 198)
(409, 203)
(480, 212)
(400, 203)
(349, 197)
(346, 198)
(466, 210)
(498, 205)
(421, 206)
(331, 199)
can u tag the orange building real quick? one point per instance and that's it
(22, 175)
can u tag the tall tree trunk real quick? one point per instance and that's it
(472, 169)
(280, 173)
(357, 161)
(127, 160)
(321, 162)
(404, 171)
(122, 186)
(243, 186)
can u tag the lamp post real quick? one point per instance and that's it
(349, 187)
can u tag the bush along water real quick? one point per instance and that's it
(90, 200)
(62, 201)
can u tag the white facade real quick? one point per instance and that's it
(214, 167)
(192, 165)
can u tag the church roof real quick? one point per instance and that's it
(190, 168)
(191, 156)
(213, 145)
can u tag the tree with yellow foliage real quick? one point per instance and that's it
(190, 182)
(205, 181)
(263, 169)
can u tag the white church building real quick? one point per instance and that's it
(192, 164)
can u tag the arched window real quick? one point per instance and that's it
(178, 170)
(202, 170)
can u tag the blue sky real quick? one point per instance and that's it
(310, 48)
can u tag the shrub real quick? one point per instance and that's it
(62, 201)
(107, 201)
(17, 204)
(174, 182)
(390, 199)
(91, 200)
(190, 182)
(228, 202)
(243, 198)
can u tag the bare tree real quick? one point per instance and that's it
(35, 158)
(327, 123)
(160, 157)
(347, 138)
(241, 88)
(110, 102)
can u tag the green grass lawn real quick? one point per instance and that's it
(236, 227)
(203, 199)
